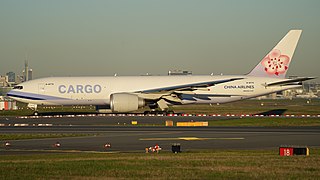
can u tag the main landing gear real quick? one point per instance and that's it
(156, 112)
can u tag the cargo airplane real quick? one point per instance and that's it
(129, 93)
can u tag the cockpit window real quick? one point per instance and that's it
(18, 87)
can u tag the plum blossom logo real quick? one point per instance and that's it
(275, 62)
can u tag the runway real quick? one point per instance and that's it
(125, 138)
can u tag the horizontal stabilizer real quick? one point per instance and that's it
(288, 81)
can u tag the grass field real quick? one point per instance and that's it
(235, 164)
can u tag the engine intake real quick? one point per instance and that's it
(125, 102)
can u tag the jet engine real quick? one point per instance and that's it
(125, 102)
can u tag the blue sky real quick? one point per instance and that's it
(78, 37)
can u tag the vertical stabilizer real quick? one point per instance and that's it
(277, 61)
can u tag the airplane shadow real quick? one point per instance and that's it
(273, 112)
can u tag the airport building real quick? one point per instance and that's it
(3, 81)
(11, 77)
(178, 72)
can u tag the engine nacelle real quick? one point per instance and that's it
(124, 102)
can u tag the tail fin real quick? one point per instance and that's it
(277, 61)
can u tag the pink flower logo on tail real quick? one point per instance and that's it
(275, 63)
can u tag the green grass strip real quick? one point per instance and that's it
(235, 164)
(266, 122)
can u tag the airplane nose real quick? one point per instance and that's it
(15, 91)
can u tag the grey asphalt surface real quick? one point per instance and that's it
(124, 138)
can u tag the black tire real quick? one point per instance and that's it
(146, 112)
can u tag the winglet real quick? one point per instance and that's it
(276, 63)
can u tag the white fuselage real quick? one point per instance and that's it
(97, 90)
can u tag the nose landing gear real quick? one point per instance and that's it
(34, 108)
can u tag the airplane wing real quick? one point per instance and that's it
(289, 81)
(188, 87)
(174, 94)
(194, 97)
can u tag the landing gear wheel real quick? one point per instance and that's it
(146, 112)
(36, 113)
